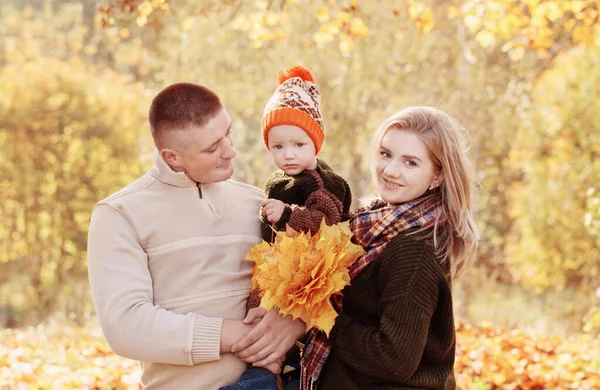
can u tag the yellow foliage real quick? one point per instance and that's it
(358, 28)
(50, 357)
(344, 16)
(145, 9)
(299, 273)
(560, 170)
(323, 15)
(262, 27)
(72, 135)
(516, 53)
(141, 20)
(61, 357)
(422, 16)
(327, 32)
(485, 38)
(532, 23)
(346, 44)
(502, 359)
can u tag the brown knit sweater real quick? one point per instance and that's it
(309, 197)
(396, 328)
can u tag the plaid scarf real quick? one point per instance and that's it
(373, 226)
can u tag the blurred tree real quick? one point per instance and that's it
(545, 26)
(555, 242)
(551, 204)
(72, 135)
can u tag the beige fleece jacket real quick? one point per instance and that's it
(165, 261)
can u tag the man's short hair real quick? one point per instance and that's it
(180, 106)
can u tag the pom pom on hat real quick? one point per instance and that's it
(296, 71)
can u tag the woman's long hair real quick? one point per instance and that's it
(455, 235)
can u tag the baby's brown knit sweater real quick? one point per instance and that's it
(396, 328)
(309, 197)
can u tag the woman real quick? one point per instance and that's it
(395, 329)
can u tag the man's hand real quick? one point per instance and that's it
(231, 332)
(273, 209)
(270, 339)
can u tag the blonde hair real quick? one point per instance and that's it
(455, 235)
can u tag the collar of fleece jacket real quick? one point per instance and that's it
(163, 172)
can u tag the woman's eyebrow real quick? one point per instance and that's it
(410, 157)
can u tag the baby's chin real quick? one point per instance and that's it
(293, 171)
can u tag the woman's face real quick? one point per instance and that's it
(404, 170)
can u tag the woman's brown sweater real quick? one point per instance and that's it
(396, 328)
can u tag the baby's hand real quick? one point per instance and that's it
(273, 209)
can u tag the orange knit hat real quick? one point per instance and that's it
(295, 102)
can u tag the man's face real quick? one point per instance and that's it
(292, 149)
(205, 153)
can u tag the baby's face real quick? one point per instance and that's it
(292, 149)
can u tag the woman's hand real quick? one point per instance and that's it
(231, 332)
(252, 318)
(254, 315)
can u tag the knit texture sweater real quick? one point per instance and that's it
(396, 328)
(309, 197)
(166, 267)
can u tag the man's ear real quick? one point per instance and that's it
(172, 158)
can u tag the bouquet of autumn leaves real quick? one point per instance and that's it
(299, 272)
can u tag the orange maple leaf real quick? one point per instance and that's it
(300, 272)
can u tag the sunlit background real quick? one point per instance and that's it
(523, 76)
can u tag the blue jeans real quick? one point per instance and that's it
(255, 378)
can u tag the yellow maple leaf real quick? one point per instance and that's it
(358, 28)
(422, 16)
(300, 272)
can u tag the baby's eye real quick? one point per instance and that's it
(385, 154)
(299, 144)
(277, 146)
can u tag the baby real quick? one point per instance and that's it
(305, 189)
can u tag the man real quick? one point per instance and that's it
(165, 255)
